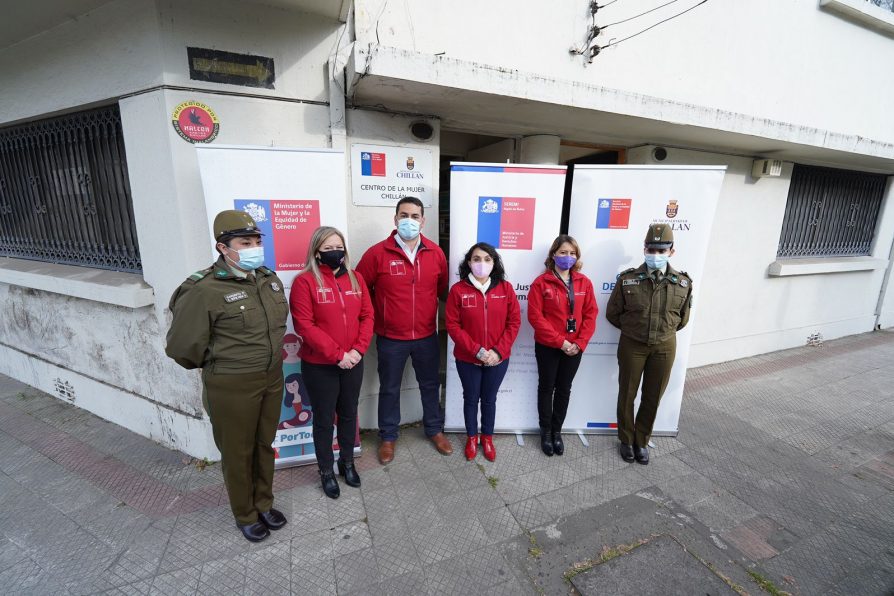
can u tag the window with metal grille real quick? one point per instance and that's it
(64, 193)
(830, 213)
(883, 4)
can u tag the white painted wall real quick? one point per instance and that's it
(741, 311)
(132, 45)
(789, 61)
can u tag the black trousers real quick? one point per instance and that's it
(333, 390)
(555, 370)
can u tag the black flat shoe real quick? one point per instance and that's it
(558, 444)
(254, 532)
(330, 484)
(546, 442)
(347, 470)
(641, 454)
(273, 519)
(626, 452)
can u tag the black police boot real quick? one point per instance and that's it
(273, 519)
(349, 472)
(558, 444)
(254, 532)
(626, 452)
(546, 441)
(330, 484)
(641, 454)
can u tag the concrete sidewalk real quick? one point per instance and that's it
(782, 476)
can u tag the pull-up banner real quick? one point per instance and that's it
(289, 193)
(611, 209)
(517, 209)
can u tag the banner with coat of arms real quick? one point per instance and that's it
(518, 210)
(611, 209)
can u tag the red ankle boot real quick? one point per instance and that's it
(472, 447)
(487, 444)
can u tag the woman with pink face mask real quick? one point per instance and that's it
(483, 318)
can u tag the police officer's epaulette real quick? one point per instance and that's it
(200, 275)
(625, 272)
(266, 270)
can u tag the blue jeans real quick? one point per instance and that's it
(480, 382)
(426, 357)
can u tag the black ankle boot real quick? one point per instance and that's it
(330, 484)
(546, 441)
(558, 444)
(349, 472)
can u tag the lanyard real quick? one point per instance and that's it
(570, 287)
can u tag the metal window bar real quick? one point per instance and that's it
(830, 213)
(64, 192)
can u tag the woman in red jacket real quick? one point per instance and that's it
(333, 314)
(483, 318)
(562, 310)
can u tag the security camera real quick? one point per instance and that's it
(659, 153)
(422, 130)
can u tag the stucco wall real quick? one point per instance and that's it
(789, 61)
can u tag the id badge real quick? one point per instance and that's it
(571, 325)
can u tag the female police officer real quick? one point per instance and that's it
(229, 320)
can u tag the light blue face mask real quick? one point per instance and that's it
(250, 258)
(408, 228)
(656, 261)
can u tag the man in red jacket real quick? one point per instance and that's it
(406, 273)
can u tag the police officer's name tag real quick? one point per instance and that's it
(631, 282)
(236, 296)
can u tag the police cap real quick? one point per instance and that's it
(659, 236)
(234, 222)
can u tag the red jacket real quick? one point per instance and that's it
(405, 294)
(548, 310)
(332, 319)
(488, 321)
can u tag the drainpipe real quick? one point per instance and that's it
(338, 58)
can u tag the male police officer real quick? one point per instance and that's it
(649, 304)
(229, 320)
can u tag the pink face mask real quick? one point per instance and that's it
(482, 269)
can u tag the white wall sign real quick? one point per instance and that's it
(382, 174)
(289, 193)
(517, 209)
(611, 209)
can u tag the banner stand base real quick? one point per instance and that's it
(583, 439)
(520, 439)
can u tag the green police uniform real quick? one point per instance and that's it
(232, 327)
(649, 308)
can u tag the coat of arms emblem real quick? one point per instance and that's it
(672, 209)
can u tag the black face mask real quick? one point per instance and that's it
(332, 258)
